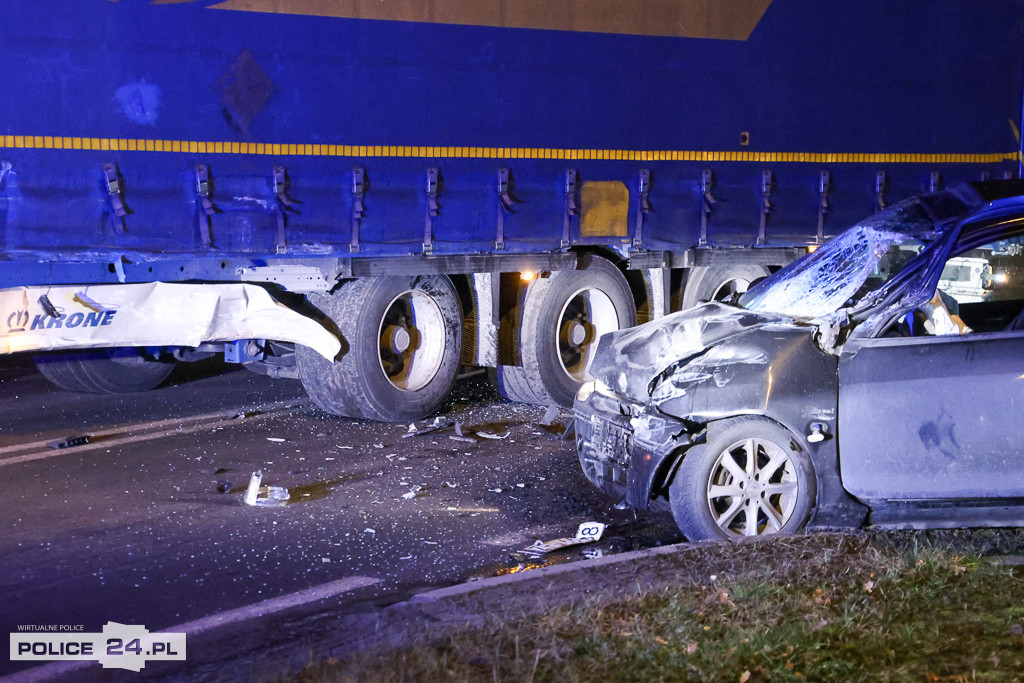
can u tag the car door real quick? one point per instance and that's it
(933, 417)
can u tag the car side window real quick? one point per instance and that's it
(983, 288)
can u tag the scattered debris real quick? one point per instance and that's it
(587, 533)
(459, 436)
(368, 530)
(491, 435)
(437, 425)
(264, 496)
(555, 429)
(275, 496)
(254, 487)
(549, 416)
(275, 439)
(223, 486)
(592, 553)
(70, 442)
(414, 493)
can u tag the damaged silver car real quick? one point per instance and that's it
(879, 379)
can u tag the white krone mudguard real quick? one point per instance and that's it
(150, 314)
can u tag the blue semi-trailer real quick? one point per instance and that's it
(370, 195)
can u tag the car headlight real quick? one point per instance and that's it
(586, 389)
(603, 389)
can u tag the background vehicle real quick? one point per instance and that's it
(818, 400)
(450, 184)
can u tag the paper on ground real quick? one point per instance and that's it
(152, 314)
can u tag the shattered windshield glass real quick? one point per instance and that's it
(858, 261)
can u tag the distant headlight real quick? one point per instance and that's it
(603, 389)
(586, 389)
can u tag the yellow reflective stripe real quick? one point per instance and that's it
(403, 151)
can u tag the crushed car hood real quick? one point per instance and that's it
(628, 360)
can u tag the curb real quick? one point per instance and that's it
(543, 572)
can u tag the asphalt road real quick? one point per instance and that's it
(145, 523)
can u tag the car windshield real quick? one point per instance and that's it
(856, 262)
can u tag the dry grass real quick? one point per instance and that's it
(879, 607)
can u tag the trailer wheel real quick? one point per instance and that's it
(402, 338)
(103, 371)
(718, 283)
(562, 318)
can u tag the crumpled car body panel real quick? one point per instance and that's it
(765, 368)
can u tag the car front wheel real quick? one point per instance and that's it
(751, 478)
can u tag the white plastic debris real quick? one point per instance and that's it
(275, 439)
(459, 436)
(274, 495)
(416, 491)
(549, 415)
(254, 487)
(491, 435)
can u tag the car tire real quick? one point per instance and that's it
(562, 318)
(402, 338)
(718, 283)
(720, 492)
(103, 371)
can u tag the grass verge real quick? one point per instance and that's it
(823, 607)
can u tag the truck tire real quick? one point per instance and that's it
(401, 342)
(718, 283)
(562, 318)
(103, 371)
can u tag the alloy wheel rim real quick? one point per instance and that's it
(752, 489)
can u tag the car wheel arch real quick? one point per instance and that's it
(721, 491)
(666, 471)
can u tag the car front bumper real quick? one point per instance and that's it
(622, 445)
(604, 439)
